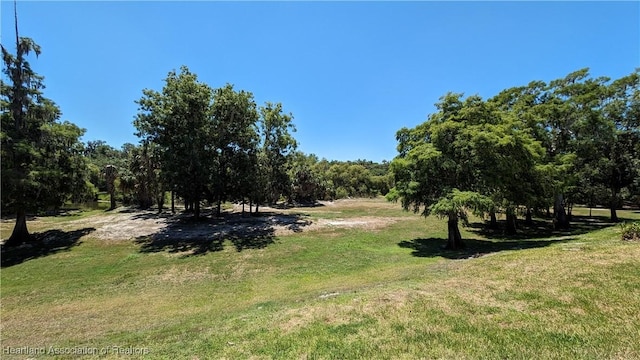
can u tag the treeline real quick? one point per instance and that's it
(202, 145)
(217, 145)
(531, 149)
(308, 179)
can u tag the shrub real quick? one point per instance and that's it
(631, 231)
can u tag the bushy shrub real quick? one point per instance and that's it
(631, 231)
(341, 193)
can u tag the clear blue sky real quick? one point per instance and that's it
(352, 73)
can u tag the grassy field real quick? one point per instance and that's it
(326, 292)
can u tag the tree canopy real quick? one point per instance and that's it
(522, 150)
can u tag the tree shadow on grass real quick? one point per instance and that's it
(300, 204)
(542, 229)
(539, 233)
(434, 247)
(150, 214)
(188, 237)
(43, 244)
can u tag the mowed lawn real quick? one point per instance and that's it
(383, 289)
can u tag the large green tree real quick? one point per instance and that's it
(42, 164)
(277, 146)
(467, 156)
(620, 166)
(234, 142)
(179, 121)
(589, 130)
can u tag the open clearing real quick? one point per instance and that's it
(126, 224)
(349, 279)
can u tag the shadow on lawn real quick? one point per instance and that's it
(43, 244)
(542, 229)
(197, 237)
(539, 234)
(432, 247)
(303, 204)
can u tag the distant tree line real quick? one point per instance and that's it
(306, 179)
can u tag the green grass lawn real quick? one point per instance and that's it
(389, 293)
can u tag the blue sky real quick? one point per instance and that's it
(352, 73)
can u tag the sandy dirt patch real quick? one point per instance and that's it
(125, 225)
(366, 222)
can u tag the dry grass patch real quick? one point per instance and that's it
(181, 275)
(81, 322)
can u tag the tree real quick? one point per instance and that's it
(307, 182)
(277, 145)
(146, 168)
(620, 165)
(41, 158)
(110, 173)
(179, 121)
(588, 129)
(431, 165)
(234, 141)
(63, 175)
(100, 154)
(464, 153)
(566, 117)
(565, 104)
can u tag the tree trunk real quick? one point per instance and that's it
(454, 241)
(173, 202)
(20, 232)
(112, 195)
(493, 223)
(528, 217)
(160, 202)
(560, 216)
(197, 209)
(614, 205)
(219, 208)
(256, 212)
(511, 221)
(614, 215)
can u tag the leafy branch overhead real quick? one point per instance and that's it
(457, 203)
